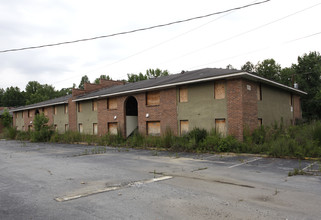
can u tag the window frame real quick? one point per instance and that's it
(156, 93)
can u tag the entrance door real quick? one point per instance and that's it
(131, 107)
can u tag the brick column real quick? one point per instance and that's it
(242, 109)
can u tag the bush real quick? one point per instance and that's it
(42, 132)
(10, 133)
(198, 135)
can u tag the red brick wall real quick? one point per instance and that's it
(166, 112)
(241, 106)
(297, 114)
(107, 115)
(250, 108)
(234, 108)
(72, 115)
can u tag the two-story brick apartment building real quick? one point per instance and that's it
(225, 100)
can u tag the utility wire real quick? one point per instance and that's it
(257, 50)
(135, 30)
(240, 34)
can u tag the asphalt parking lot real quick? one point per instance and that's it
(61, 181)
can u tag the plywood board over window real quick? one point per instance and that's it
(184, 127)
(79, 107)
(259, 122)
(112, 103)
(219, 90)
(153, 98)
(95, 129)
(220, 126)
(81, 129)
(112, 128)
(94, 105)
(259, 92)
(153, 128)
(66, 109)
(183, 94)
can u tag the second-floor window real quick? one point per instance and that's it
(153, 98)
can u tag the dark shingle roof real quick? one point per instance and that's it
(163, 81)
(56, 101)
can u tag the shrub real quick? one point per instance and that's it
(42, 132)
(198, 135)
(10, 133)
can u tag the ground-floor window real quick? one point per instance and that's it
(112, 128)
(259, 122)
(56, 127)
(220, 126)
(95, 129)
(184, 128)
(153, 128)
(66, 127)
(29, 127)
(80, 128)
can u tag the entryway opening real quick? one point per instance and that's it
(131, 107)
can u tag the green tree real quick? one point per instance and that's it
(269, 69)
(230, 67)
(286, 76)
(13, 97)
(308, 76)
(154, 73)
(248, 67)
(150, 73)
(6, 119)
(136, 77)
(35, 92)
(1, 95)
(42, 132)
(106, 77)
(83, 80)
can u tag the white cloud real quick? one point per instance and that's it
(177, 47)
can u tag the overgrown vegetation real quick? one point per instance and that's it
(298, 141)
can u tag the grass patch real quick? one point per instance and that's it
(299, 141)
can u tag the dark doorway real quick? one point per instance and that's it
(131, 107)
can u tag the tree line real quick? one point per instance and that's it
(306, 73)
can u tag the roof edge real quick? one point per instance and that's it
(38, 106)
(195, 81)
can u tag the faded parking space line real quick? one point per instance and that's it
(245, 162)
(111, 188)
(310, 165)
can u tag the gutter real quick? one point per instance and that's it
(193, 81)
(38, 106)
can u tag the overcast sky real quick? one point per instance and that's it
(278, 29)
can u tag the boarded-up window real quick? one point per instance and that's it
(112, 103)
(291, 100)
(95, 129)
(21, 114)
(219, 90)
(29, 127)
(29, 113)
(259, 92)
(184, 127)
(45, 111)
(259, 122)
(55, 110)
(80, 127)
(66, 127)
(153, 98)
(183, 95)
(66, 109)
(94, 105)
(153, 128)
(79, 107)
(220, 126)
(112, 128)
(56, 127)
